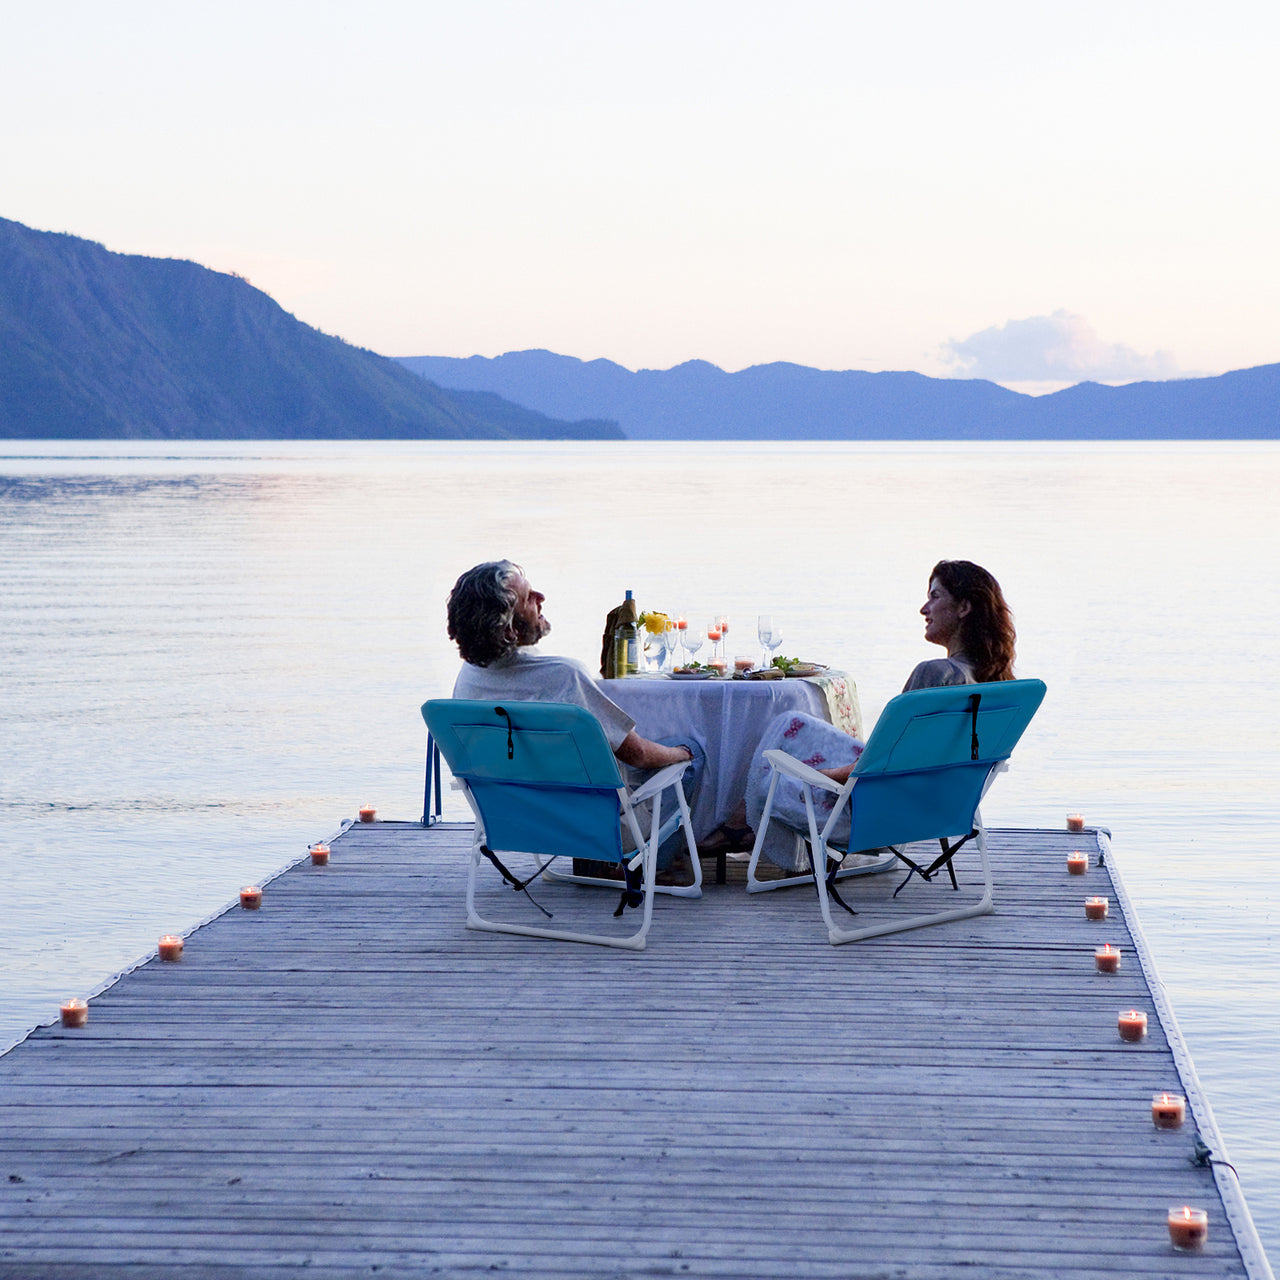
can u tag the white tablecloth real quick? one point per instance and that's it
(727, 716)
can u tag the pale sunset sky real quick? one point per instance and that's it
(1031, 192)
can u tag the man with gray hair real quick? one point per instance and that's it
(495, 618)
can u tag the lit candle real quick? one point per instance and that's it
(320, 855)
(1188, 1227)
(743, 664)
(170, 947)
(1107, 958)
(1132, 1024)
(251, 897)
(717, 665)
(367, 813)
(682, 624)
(1096, 908)
(75, 1013)
(1168, 1110)
(1075, 822)
(1077, 863)
(713, 634)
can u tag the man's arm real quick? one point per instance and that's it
(640, 753)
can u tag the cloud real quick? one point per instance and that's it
(1058, 348)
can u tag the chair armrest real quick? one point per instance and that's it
(660, 781)
(801, 772)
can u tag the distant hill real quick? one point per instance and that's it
(698, 401)
(95, 344)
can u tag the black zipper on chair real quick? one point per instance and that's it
(511, 746)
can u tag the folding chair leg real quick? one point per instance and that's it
(985, 906)
(756, 885)
(626, 942)
(692, 890)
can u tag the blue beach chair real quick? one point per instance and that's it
(541, 780)
(927, 765)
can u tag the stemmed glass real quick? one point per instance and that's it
(692, 641)
(671, 641)
(770, 637)
(681, 626)
(713, 634)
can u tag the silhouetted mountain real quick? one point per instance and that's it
(95, 344)
(698, 401)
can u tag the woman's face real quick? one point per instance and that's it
(942, 614)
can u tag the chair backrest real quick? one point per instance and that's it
(927, 762)
(541, 774)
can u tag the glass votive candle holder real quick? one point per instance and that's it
(1096, 908)
(1132, 1025)
(1107, 958)
(1168, 1110)
(170, 947)
(1188, 1227)
(320, 855)
(74, 1013)
(1075, 822)
(1077, 862)
(251, 897)
(367, 813)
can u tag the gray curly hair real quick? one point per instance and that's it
(481, 612)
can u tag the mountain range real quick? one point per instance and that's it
(96, 344)
(698, 401)
(102, 345)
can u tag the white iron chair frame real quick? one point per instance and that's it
(667, 777)
(784, 765)
(816, 839)
(645, 857)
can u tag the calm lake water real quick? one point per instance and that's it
(214, 653)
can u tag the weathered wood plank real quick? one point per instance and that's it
(350, 1080)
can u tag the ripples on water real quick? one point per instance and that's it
(214, 653)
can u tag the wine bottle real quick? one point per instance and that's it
(627, 640)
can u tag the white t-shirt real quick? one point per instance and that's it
(527, 676)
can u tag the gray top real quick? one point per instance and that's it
(527, 676)
(938, 673)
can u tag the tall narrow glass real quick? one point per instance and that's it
(770, 637)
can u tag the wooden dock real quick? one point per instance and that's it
(349, 1083)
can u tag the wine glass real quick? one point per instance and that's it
(692, 641)
(770, 637)
(671, 641)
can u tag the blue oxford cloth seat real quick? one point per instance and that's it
(923, 773)
(541, 780)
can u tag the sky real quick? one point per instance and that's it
(1038, 193)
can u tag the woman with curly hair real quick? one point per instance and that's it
(966, 614)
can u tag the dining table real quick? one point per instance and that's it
(728, 716)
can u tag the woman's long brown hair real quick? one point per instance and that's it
(987, 637)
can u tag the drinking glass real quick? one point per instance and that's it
(692, 642)
(671, 642)
(713, 634)
(770, 637)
